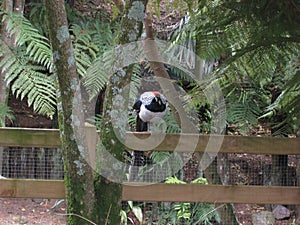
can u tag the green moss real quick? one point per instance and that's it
(108, 188)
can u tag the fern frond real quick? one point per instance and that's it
(37, 46)
(85, 50)
(135, 84)
(27, 79)
(39, 89)
(5, 112)
(98, 73)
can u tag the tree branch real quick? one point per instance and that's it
(163, 78)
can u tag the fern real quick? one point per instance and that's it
(192, 213)
(26, 67)
(84, 48)
(254, 50)
(287, 102)
(97, 75)
(5, 112)
(37, 46)
(27, 79)
(39, 89)
(38, 18)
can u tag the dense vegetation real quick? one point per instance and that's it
(250, 48)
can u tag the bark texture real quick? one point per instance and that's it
(78, 173)
(108, 187)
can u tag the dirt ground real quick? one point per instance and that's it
(38, 211)
(31, 211)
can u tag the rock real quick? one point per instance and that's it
(20, 219)
(280, 212)
(263, 218)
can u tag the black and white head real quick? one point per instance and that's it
(151, 105)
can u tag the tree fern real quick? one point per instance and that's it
(254, 42)
(29, 67)
(84, 48)
(27, 79)
(37, 46)
(288, 101)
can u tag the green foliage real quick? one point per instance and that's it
(84, 48)
(27, 66)
(244, 107)
(37, 16)
(255, 43)
(98, 73)
(188, 213)
(136, 210)
(5, 112)
(287, 102)
(27, 37)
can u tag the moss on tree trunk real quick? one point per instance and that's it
(110, 174)
(78, 173)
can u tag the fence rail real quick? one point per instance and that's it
(156, 192)
(26, 188)
(24, 137)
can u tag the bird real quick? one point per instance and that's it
(150, 106)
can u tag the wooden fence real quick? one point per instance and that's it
(26, 188)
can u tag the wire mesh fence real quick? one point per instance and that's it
(236, 169)
(31, 163)
(232, 169)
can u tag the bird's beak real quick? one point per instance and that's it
(157, 99)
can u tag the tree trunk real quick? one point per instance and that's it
(110, 174)
(164, 80)
(78, 173)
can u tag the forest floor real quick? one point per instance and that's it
(38, 211)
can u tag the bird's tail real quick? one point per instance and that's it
(141, 125)
(138, 157)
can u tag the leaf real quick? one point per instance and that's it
(137, 211)
(130, 203)
(174, 180)
(123, 215)
(200, 180)
(5, 112)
